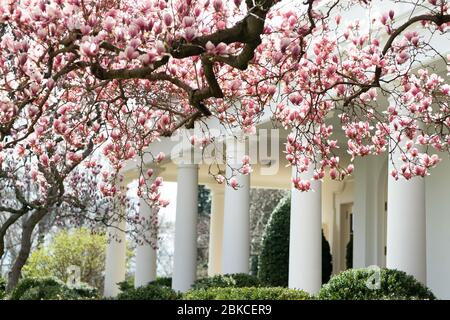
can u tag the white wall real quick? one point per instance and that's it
(329, 187)
(438, 229)
(343, 196)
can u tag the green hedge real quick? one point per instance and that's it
(262, 293)
(236, 280)
(84, 290)
(273, 267)
(50, 288)
(149, 292)
(394, 285)
(163, 281)
(128, 284)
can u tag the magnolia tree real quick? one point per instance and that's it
(27, 215)
(82, 75)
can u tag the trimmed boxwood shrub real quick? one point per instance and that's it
(254, 265)
(149, 292)
(394, 285)
(128, 284)
(273, 261)
(262, 293)
(84, 290)
(50, 288)
(273, 267)
(236, 280)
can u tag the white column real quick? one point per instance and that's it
(145, 251)
(185, 253)
(305, 244)
(115, 264)
(236, 224)
(216, 231)
(406, 226)
(369, 211)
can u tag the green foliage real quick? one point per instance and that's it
(83, 289)
(160, 289)
(79, 248)
(49, 288)
(274, 258)
(163, 281)
(252, 293)
(128, 284)
(349, 253)
(273, 267)
(2, 287)
(394, 285)
(236, 280)
(204, 200)
(149, 292)
(254, 265)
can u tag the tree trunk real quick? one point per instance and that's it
(25, 248)
(43, 228)
(3, 229)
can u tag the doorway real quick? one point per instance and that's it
(346, 233)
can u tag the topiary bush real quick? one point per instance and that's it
(273, 269)
(50, 288)
(273, 261)
(262, 293)
(394, 285)
(236, 280)
(149, 292)
(254, 265)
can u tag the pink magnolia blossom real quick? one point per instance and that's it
(160, 157)
(218, 5)
(234, 183)
(220, 179)
(133, 73)
(89, 49)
